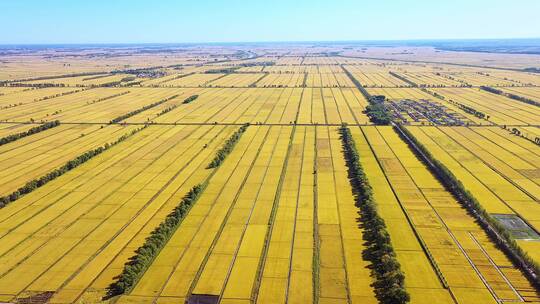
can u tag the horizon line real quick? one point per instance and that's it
(267, 41)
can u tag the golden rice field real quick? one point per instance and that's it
(501, 110)
(501, 171)
(448, 255)
(267, 228)
(279, 220)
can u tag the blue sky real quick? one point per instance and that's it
(134, 21)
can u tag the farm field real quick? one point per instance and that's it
(236, 80)
(268, 192)
(102, 147)
(531, 92)
(282, 80)
(64, 235)
(272, 106)
(375, 76)
(450, 237)
(98, 105)
(500, 109)
(501, 173)
(34, 156)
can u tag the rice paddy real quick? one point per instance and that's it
(279, 218)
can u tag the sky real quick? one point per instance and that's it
(179, 21)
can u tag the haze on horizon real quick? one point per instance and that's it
(169, 21)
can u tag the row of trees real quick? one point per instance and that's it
(227, 70)
(502, 237)
(70, 165)
(145, 255)
(390, 280)
(52, 77)
(227, 147)
(376, 110)
(58, 95)
(190, 99)
(465, 108)
(510, 95)
(132, 113)
(413, 84)
(108, 97)
(33, 130)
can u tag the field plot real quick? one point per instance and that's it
(529, 92)
(521, 78)
(466, 261)
(99, 105)
(328, 80)
(500, 109)
(194, 80)
(251, 69)
(481, 79)
(375, 77)
(288, 69)
(434, 79)
(14, 98)
(83, 81)
(63, 236)
(9, 128)
(267, 229)
(34, 156)
(236, 80)
(276, 105)
(532, 133)
(289, 60)
(500, 170)
(282, 80)
(9, 90)
(322, 60)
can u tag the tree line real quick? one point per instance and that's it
(390, 280)
(137, 265)
(13, 137)
(70, 165)
(227, 147)
(145, 255)
(498, 234)
(132, 113)
(510, 95)
(190, 99)
(376, 110)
